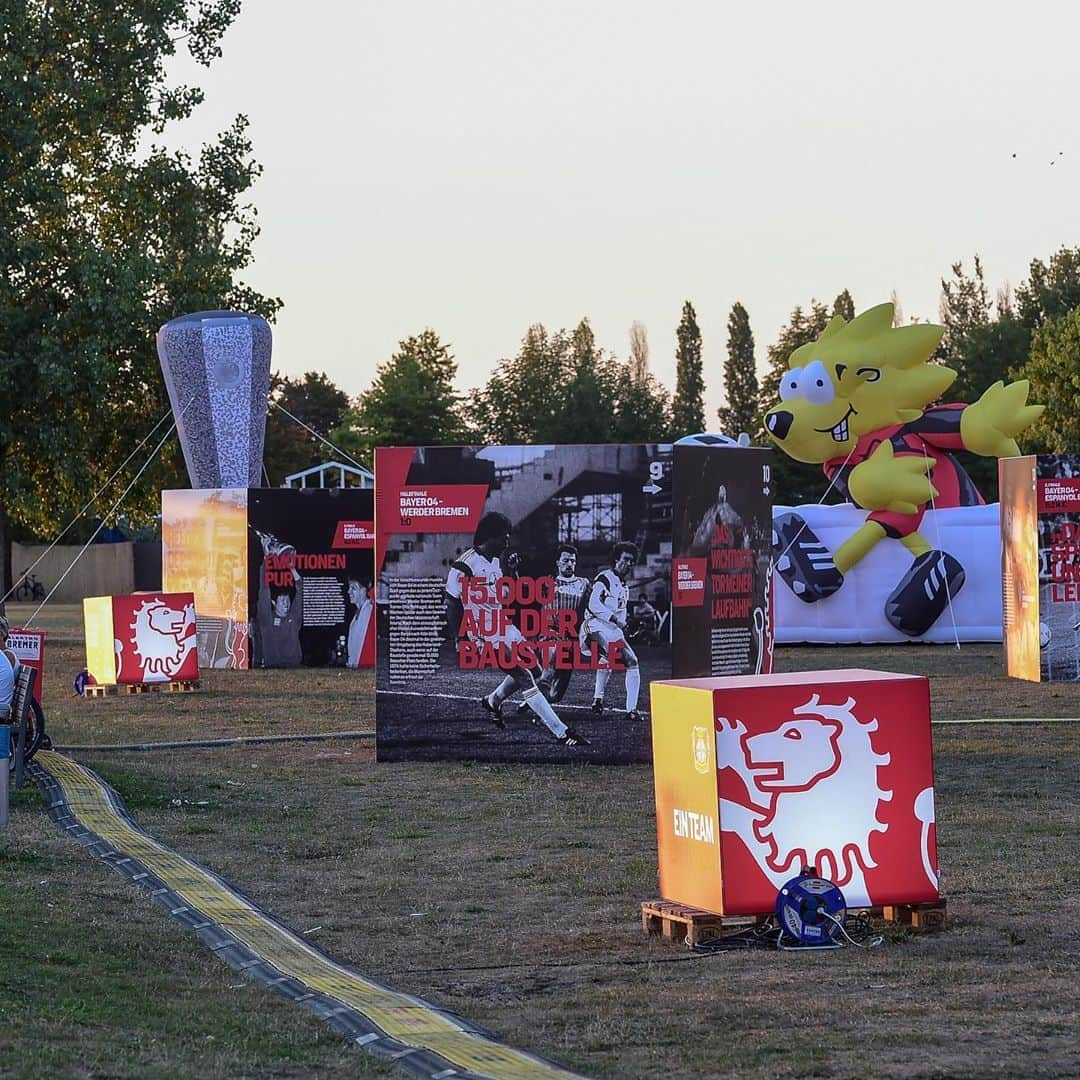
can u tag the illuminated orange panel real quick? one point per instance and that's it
(687, 818)
(204, 550)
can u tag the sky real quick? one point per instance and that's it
(476, 167)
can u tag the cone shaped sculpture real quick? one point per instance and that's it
(217, 371)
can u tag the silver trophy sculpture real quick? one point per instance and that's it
(217, 371)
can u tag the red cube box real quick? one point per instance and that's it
(141, 638)
(757, 776)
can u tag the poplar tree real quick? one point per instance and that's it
(688, 407)
(740, 376)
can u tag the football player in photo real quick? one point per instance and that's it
(470, 588)
(605, 625)
(571, 594)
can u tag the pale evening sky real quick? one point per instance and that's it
(477, 167)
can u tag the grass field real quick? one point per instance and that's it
(510, 894)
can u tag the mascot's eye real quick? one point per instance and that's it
(789, 385)
(793, 733)
(815, 384)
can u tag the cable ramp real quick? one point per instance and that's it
(421, 1038)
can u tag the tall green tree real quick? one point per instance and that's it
(1053, 369)
(314, 400)
(588, 401)
(104, 236)
(844, 305)
(964, 308)
(688, 408)
(412, 402)
(562, 388)
(984, 342)
(740, 376)
(523, 400)
(1051, 290)
(642, 408)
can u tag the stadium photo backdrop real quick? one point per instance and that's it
(525, 593)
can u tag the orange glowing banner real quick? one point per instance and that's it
(1040, 556)
(205, 551)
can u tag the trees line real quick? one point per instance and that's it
(561, 387)
(105, 236)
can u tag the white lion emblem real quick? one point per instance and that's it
(163, 637)
(812, 784)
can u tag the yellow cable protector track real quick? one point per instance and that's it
(423, 1039)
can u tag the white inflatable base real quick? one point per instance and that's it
(856, 612)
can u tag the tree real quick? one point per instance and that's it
(642, 408)
(740, 376)
(561, 388)
(639, 352)
(1052, 290)
(316, 401)
(1053, 368)
(589, 397)
(412, 402)
(964, 306)
(844, 305)
(522, 401)
(688, 408)
(102, 239)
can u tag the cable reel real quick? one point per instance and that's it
(810, 912)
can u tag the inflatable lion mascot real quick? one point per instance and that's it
(858, 400)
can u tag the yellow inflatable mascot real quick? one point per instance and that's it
(859, 402)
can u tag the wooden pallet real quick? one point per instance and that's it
(177, 686)
(680, 922)
(930, 916)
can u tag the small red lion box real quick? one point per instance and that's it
(757, 776)
(142, 638)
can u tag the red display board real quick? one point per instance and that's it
(29, 647)
(758, 777)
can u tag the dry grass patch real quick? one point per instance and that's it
(511, 893)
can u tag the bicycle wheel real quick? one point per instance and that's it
(38, 591)
(22, 592)
(35, 733)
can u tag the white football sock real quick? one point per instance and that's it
(542, 707)
(602, 676)
(633, 687)
(503, 690)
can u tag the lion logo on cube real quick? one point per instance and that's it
(163, 637)
(812, 785)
